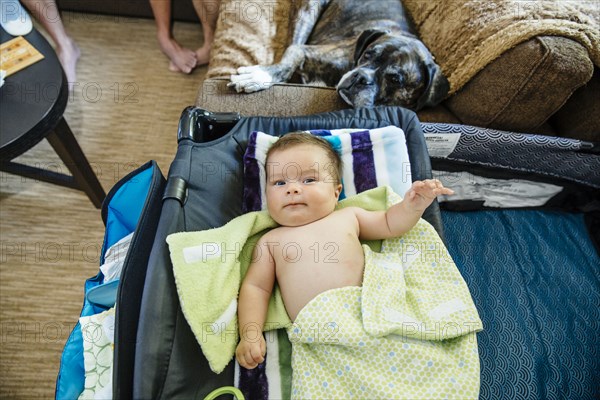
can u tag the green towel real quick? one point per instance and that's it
(407, 333)
(209, 267)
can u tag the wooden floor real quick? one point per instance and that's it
(124, 111)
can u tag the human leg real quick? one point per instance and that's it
(46, 13)
(208, 12)
(181, 59)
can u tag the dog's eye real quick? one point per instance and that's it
(396, 79)
(367, 55)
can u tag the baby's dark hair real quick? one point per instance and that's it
(299, 138)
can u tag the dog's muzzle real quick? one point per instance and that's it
(354, 82)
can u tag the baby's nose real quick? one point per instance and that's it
(293, 188)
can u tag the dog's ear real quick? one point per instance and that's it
(365, 39)
(437, 87)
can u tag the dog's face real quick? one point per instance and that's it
(392, 70)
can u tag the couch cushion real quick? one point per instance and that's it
(579, 118)
(279, 100)
(288, 100)
(525, 86)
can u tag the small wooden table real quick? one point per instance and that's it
(32, 103)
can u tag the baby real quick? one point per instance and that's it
(315, 248)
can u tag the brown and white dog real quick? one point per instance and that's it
(366, 48)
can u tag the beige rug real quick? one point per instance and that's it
(124, 111)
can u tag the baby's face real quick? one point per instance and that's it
(300, 188)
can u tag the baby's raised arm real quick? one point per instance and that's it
(252, 306)
(401, 217)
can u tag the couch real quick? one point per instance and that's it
(524, 66)
(543, 79)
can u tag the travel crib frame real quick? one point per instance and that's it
(157, 356)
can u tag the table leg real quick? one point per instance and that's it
(64, 143)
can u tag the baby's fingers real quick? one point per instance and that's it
(439, 189)
(247, 361)
(447, 191)
(424, 189)
(256, 355)
(431, 188)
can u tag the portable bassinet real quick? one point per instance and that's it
(523, 229)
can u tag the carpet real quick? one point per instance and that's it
(124, 110)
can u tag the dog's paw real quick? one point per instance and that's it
(251, 79)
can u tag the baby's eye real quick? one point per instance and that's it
(278, 183)
(310, 180)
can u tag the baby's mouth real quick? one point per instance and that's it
(294, 204)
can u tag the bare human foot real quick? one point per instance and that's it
(203, 55)
(68, 54)
(181, 59)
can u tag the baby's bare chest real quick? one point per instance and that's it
(324, 242)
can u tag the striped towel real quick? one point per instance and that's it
(371, 158)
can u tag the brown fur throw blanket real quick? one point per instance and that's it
(249, 32)
(464, 35)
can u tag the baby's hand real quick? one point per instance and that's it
(251, 353)
(422, 193)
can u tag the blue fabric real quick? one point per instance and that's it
(124, 211)
(104, 295)
(535, 279)
(125, 208)
(336, 144)
(71, 374)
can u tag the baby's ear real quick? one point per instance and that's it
(338, 191)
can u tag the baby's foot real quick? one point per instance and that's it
(203, 55)
(68, 54)
(181, 59)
